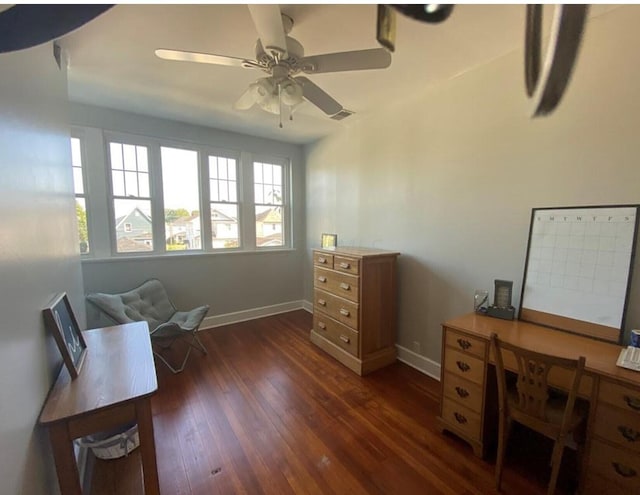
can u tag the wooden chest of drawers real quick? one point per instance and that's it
(354, 307)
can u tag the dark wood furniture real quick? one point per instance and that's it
(115, 386)
(468, 400)
(354, 309)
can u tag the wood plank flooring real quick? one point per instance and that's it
(266, 412)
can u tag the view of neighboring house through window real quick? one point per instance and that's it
(78, 188)
(268, 198)
(131, 197)
(181, 193)
(223, 192)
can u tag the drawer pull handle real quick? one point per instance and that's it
(345, 266)
(463, 393)
(322, 260)
(344, 312)
(464, 344)
(322, 302)
(322, 325)
(345, 339)
(624, 471)
(345, 286)
(460, 418)
(629, 433)
(462, 366)
(632, 402)
(322, 279)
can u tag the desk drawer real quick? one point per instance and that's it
(341, 335)
(337, 308)
(599, 485)
(617, 465)
(618, 426)
(462, 418)
(461, 364)
(462, 342)
(463, 391)
(347, 265)
(323, 259)
(340, 284)
(620, 396)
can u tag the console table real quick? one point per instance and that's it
(115, 385)
(468, 405)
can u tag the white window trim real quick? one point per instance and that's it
(246, 205)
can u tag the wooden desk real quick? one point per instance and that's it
(469, 400)
(115, 386)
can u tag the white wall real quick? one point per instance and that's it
(449, 177)
(229, 282)
(38, 258)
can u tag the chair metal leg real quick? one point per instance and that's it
(192, 345)
(175, 371)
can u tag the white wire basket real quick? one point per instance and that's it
(113, 444)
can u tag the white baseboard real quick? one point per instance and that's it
(307, 306)
(419, 362)
(250, 314)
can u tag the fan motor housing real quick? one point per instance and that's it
(295, 52)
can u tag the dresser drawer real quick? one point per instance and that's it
(337, 308)
(461, 418)
(617, 465)
(618, 426)
(463, 391)
(465, 343)
(463, 365)
(620, 396)
(340, 284)
(339, 334)
(347, 265)
(599, 485)
(323, 259)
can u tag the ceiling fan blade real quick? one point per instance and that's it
(374, 58)
(268, 21)
(246, 100)
(202, 58)
(318, 97)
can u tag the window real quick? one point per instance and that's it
(181, 196)
(170, 197)
(269, 205)
(131, 197)
(79, 190)
(223, 192)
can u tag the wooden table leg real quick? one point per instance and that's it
(147, 447)
(65, 459)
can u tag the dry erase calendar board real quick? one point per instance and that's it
(578, 268)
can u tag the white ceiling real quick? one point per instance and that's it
(112, 61)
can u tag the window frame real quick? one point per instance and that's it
(286, 199)
(102, 171)
(81, 137)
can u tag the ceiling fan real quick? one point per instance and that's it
(282, 58)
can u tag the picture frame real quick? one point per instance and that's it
(329, 240)
(61, 322)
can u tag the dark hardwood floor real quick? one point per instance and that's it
(266, 412)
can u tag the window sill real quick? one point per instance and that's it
(165, 256)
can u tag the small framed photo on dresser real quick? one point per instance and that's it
(61, 322)
(329, 240)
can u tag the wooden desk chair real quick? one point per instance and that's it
(530, 403)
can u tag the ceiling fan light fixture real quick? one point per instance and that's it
(291, 93)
